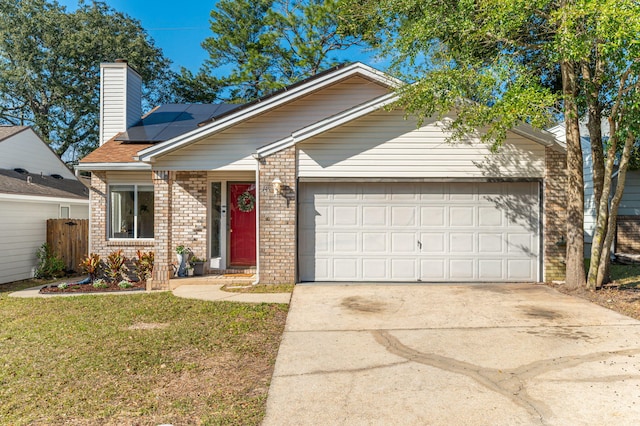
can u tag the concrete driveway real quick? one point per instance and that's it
(453, 355)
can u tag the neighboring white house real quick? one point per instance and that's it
(35, 185)
(629, 210)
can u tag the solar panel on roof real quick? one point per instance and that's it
(172, 120)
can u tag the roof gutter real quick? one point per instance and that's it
(113, 166)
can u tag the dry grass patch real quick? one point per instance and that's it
(141, 359)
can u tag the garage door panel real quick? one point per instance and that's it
(403, 242)
(374, 215)
(375, 269)
(432, 216)
(403, 216)
(461, 269)
(518, 269)
(490, 269)
(432, 192)
(374, 242)
(461, 242)
(490, 243)
(433, 242)
(345, 242)
(398, 231)
(404, 269)
(461, 216)
(346, 268)
(345, 216)
(433, 269)
(490, 216)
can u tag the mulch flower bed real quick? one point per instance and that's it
(89, 288)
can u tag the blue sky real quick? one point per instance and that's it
(179, 27)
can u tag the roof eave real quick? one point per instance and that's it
(148, 154)
(327, 124)
(112, 166)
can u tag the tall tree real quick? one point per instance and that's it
(49, 68)
(506, 58)
(263, 45)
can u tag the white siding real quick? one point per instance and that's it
(134, 98)
(26, 150)
(630, 204)
(23, 229)
(384, 144)
(232, 149)
(130, 177)
(120, 99)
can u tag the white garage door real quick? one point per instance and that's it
(399, 231)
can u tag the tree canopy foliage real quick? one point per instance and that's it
(263, 45)
(497, 63)
(50, 64)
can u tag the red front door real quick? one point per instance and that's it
(242, 224)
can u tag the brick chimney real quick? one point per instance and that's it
(120, 98)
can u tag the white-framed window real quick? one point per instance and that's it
(131, 211)
(65, 212)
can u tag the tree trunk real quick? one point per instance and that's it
(615, 203)
(575, 274)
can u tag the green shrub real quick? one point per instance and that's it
(49, 265)
(116, 267)
(91, 265)
(125, 284)
(100, 283)
(144, 265)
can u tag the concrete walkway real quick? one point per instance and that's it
(198, 291)
(453, 355)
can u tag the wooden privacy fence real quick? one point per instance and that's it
(69, 239)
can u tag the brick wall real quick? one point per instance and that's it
(162, 269)
(277, 234)
(628, 235)
(555, 182)
(189, 209)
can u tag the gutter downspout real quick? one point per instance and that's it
(257, 157)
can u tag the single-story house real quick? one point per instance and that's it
(35, 185)
(627, 239)
(321, 182)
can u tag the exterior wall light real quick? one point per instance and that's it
(277, 186)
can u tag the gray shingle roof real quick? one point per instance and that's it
(6, 131)
(12, 182)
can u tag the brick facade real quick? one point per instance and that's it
(628, 235)
(163, 194)
(189, 207)
(181, 214)
(277, 225)
(554, 220)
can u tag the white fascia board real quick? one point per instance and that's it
(41, 199)
(112, 166)
(149, 154)
(327, 124)
(543, 137)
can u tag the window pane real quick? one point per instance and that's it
(145, 212)
(215, 219)
(64, 212)
(122, 211)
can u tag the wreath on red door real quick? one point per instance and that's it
(246, 202)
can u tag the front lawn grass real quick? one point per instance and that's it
(141, 359)
(259, 288)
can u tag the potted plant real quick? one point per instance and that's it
(198, 266)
